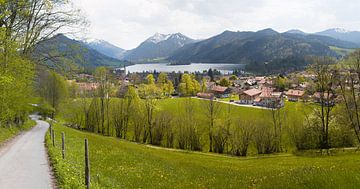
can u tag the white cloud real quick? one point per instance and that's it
(127, 23)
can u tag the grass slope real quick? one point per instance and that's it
(295, 113)
(7, 133)
(119, 164)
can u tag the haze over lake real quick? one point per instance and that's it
(193, 67)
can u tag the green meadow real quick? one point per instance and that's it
(117, 163)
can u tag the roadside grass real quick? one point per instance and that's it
(117, 163)
(7, 133)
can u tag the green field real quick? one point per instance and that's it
(120, 164)
(7, 133)
(293, 114)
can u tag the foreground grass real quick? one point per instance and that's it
(119, 164)
(7, 133)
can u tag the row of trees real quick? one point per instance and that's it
(138, 117)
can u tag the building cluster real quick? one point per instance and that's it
(259, 91)
(263, 91)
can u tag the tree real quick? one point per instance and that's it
(240, 139)
(149, 93)
(102, 76)
(150, 79)
(162, 78)
(16, 86)
(233, 77)
(187, 135)
(52, 87)
(165, 84)
(224, 82)
(277, 121)
(280, 83)
(203, 85)
(221, 133)
(211, 74)
(23, 24)
(161, 126)
(122, 112)
(325, 84)
(349, 91)
(212, 109)
(169, 88)
(31, 21)
(189, 85)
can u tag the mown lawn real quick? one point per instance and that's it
(7, 133)
(120, 164)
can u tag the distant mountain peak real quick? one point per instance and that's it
(339, 30)
(104, 47)
(296, 31)
(158, 46)
(268, 31)
(94, 41)
(158, 37)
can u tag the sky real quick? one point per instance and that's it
(127, 23)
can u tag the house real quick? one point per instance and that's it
(326, 98)
(209, 85)
(205, 95)
(248, 96)
(221, 92)
(294, 95)
(269, 98)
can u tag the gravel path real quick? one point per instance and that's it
(23, 161)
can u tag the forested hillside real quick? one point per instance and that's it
(62, 53)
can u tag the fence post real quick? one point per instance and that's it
(87, 165)
(50, 132)
(53, 138)
(63, 144)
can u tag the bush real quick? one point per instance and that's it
(45, 109)
(264, 138)
(241, 136)
(341, 136)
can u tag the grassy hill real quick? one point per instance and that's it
(120, 164)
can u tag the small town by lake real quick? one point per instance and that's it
(193, 67)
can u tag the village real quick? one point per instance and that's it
(239, 89)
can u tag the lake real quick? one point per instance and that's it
(193, 67)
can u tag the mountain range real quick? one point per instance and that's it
(65, 54)
(261, 46)
(244, 47)
(105, 48)
(336, 33)
(158, 46)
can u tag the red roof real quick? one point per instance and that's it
(219, 89)
(297, 93)
(318, 95)
(252, 92)
(205, 95)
